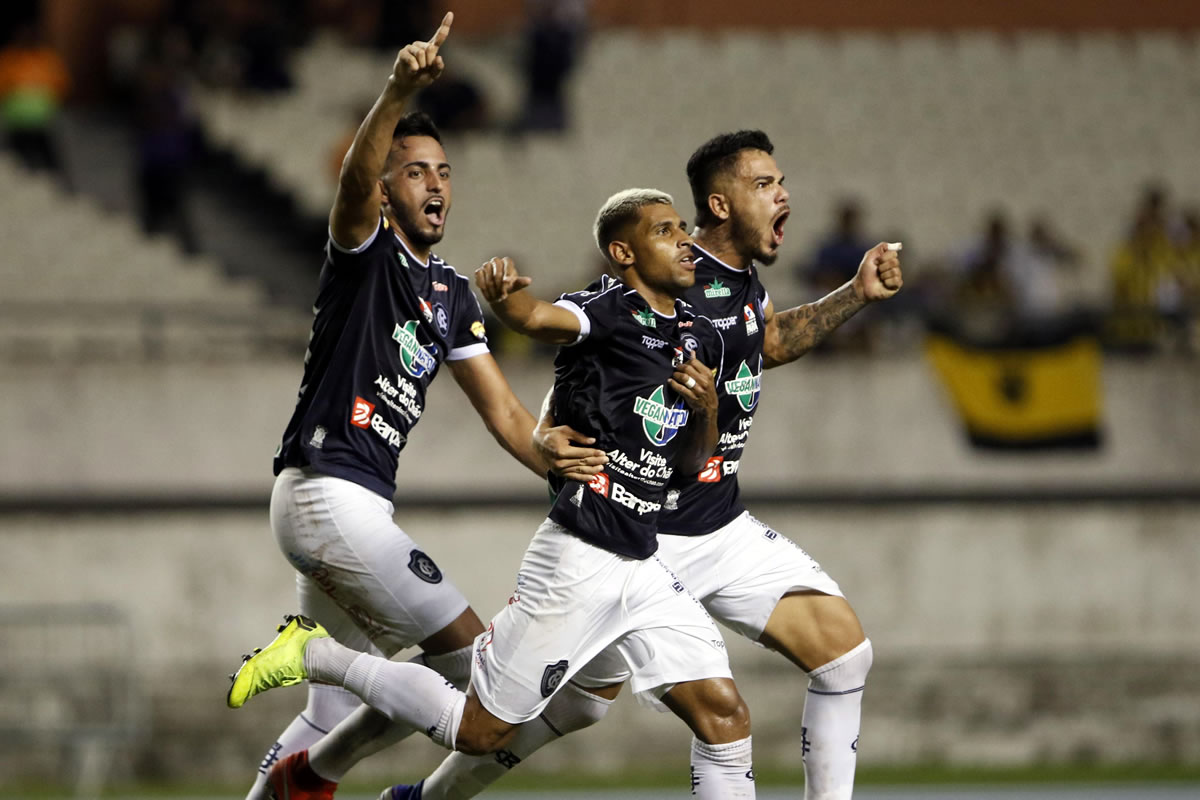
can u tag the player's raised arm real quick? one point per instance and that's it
(501, 286)
(356, 204)
(792, 333)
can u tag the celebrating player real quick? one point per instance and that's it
(592, 604)
(747, 575)
(388, 314)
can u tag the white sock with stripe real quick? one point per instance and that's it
(830, 725)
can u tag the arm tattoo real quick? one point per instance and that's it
(802, 328)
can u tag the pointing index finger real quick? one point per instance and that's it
(439, 37)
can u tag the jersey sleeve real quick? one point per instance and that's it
(597, 310)
(469, 337)
(341, 256)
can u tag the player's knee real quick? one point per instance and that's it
(574, 708)
(473, 741)
(845, 673)
(724, 715)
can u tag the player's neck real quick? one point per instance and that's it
(658, 301)
(421, 253)
(717, 242)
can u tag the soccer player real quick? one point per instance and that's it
(746, 574)
(591, 596)
(389, 313)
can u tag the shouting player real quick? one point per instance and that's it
(748, 576)
(593, 603)
(389, 313)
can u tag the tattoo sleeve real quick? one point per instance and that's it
(800, 329)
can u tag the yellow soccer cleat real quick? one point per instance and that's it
(281, 663)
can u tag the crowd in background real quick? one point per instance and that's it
(1012, 280)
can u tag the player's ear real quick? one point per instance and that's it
(718, 206)
(620, 253)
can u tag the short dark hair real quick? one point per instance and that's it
(414, 123)
(715, 156)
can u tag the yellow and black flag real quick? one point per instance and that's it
(1023, 396)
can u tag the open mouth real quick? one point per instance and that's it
(687, 260)
(777, 226)
(435, 211)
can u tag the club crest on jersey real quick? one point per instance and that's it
(716, 289)
(746, 386)
(416, 360)
(441, 318)
(751, 319)
(645, 317)
(659, 422)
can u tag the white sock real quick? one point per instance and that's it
(460, 776)
(408, 693)
(722, 771)
(368, 731)
(829, 727)
(327, 707)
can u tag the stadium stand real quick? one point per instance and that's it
(86, 283)
(958, 124)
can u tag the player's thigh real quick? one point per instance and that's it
(341, 536)
(758, 567)
(812, 629)
(671, 639)
(567, 608)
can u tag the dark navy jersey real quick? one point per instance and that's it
(736, 302)
(612, 384)
(384, 324)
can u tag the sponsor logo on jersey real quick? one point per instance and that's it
(477, 330)
(712, 471)
(724, 323)
(423, 567)
(427, 310)
(716, 289)
(746, 386)
(672, 501)
(318, 437)
(599, 484)
(387, 431)
(645, 317)
(441, 318)
(622, 496)
(401, 396)
(416, 360)
(438, 286)
(678, 359)
(360, 416)
(649, 465)
(653, 343)
(552, 677)
(659, 422)
(751, 319)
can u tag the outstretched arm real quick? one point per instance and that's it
(502, 287)
(792, 333)
(694, 383)
(356, 204)
(506, 419)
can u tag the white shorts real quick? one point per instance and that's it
(575, 601)
(361, 576)
(742, 570)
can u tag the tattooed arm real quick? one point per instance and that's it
(792, 333)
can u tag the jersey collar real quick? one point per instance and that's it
(721, 263)
(409, 253)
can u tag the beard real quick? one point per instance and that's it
(748, 241)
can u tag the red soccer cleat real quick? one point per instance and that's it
(293, 779)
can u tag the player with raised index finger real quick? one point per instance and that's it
(593, 605)
(389, 313)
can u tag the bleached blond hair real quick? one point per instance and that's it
(621, 209)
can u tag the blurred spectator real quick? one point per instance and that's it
(553, 38)
(839, 253)
(33, 84)
(1144, 282)
(166, 137)
(1039, 273)
(984, 297)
